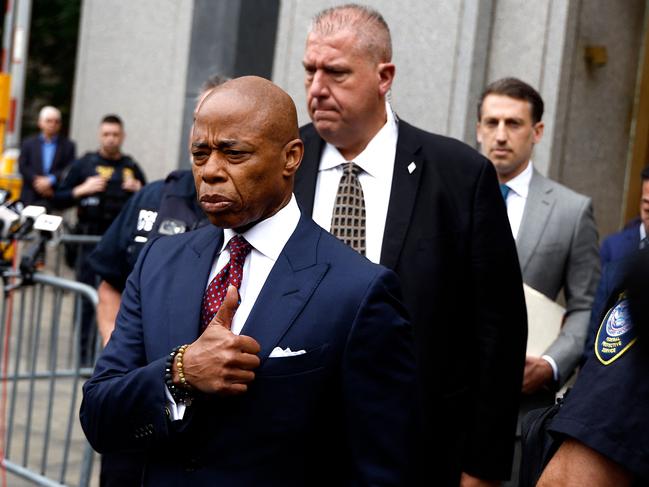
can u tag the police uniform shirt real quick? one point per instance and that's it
(608, 408)
(100, 209)
(141, 220)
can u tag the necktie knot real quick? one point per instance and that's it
(239, 248)
(350, 168)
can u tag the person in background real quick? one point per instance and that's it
(43, 158)
(601, 432)
(634, 235)
(554, 228)
(429, 208)
(99, 184)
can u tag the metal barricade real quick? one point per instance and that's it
(81, 244)
(41, 381)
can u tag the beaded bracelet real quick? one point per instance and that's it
(179, 366)
(179, 394)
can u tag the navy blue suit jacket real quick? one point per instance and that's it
(30, 164)
(340, 414)
(620, 244)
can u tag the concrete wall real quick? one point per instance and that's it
(132, 61)
(599, 113)
(146, 61)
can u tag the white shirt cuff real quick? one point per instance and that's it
(176, 411)
(553, 364)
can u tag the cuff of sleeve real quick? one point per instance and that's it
(52, 178)
(553, 364)
(176, 411)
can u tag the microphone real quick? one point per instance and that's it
(8, 221)
(28, 217)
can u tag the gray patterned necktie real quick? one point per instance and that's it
(348, 218)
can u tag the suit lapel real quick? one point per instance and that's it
(307, 176)
(403, 193)
(56, 161)
(538, 207)
(289, 286)
(38, 156)
(193, 270)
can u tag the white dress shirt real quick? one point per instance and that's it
(518, 189)
(643, 232)
(516, 198)
(377, 164)
(267, 238)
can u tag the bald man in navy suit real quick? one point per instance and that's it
(306, 373)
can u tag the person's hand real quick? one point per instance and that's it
(92, 185)
(220, 361)
(132, 185)
(43, 186)
(470, 481)
(538, 373)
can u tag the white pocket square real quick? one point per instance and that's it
(278, 352)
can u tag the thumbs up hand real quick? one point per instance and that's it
(219, 361)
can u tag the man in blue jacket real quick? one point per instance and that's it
(267, 353)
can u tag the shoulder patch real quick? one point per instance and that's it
(616, 333)
(145, 220)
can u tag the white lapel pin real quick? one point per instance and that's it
(411, 167)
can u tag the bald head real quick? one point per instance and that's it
(49, 121)
(245, 149)
(272, 108)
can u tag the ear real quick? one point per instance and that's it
(478, 134)
(386, 72)
(538, 131)
(293, 152)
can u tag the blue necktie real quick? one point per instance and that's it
(504, 190)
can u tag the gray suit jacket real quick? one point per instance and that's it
(557, 247)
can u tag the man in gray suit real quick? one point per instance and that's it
(554, 228)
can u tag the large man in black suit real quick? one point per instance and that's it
(309, 381)
(435, 215)
(43, 158)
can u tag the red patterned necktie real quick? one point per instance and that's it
(230, 274)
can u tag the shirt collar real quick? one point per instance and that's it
(521, 183)
(370, 159)
(643, 231)
(269, 236)
(53, 140)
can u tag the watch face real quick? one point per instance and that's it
(172, 227)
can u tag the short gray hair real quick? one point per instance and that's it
(366, 23)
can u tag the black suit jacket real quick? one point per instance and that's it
(30, 164)
(448, 238)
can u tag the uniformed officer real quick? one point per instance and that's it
(603, 424)
(164, 207)
(99, 184)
